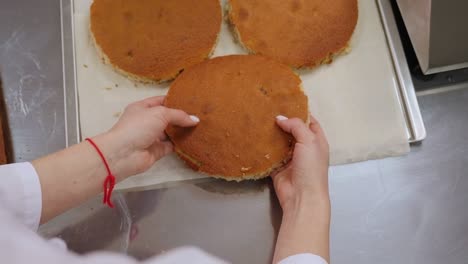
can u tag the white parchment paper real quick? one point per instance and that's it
(354, 98)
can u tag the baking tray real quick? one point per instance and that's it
(406, 92)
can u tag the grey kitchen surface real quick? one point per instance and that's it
(31, 73)
(409, 209)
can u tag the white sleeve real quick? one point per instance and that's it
(20, 212)
(190, 255)
(304, 258)
(186, 255)
(20, 193)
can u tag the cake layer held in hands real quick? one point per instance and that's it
(237, 98)
(302, 34)
(154, 40)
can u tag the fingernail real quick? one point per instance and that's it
(281, 118)
(195, 118)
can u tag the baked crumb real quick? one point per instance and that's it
(244, 169)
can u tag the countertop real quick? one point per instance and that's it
(409, 209)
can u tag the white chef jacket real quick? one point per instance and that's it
(20, 212)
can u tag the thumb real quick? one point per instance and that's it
(179, 118)
(296, 127)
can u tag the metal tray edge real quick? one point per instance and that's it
(407, 92)
(71, 103)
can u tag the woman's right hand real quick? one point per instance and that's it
(305, 178)
(302, 190)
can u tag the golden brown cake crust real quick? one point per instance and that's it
(237, 98)
(153, 40)
(300, 33)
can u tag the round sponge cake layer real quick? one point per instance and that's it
(153, 40)
(300, 33)
(237, 98)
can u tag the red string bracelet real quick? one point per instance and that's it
(109, 182)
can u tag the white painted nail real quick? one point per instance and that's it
(195, 118)
(281, 118)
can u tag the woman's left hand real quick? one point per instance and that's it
(138, 139)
